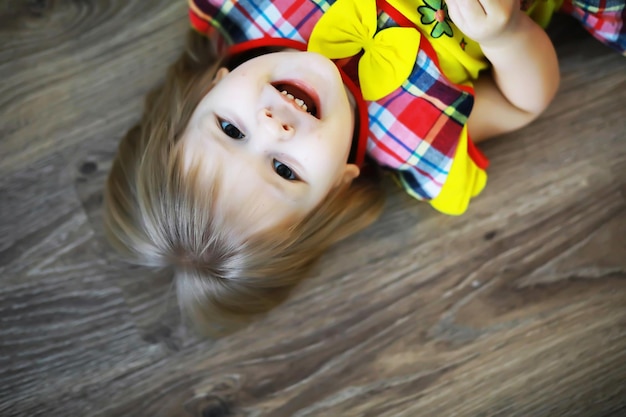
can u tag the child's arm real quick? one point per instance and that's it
(525, 72)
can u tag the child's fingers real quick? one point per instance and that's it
(500, 8)
(482, 20)
(453, 10)
(467, 15)
(467, 9)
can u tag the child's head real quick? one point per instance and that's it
(278, 156)
(236, 184)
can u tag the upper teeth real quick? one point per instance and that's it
(298, 101)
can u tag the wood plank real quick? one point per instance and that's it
(61, 72)
(514, 309)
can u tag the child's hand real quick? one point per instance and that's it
(485, 21)
(524, 69)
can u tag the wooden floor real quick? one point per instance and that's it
(516, 309)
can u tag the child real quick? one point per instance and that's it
(249, 162)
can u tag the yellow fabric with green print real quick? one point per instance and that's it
(460, 58)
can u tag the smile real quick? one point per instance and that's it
(302, 97)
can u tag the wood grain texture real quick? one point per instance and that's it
(516, 309)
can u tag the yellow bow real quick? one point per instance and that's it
(348, 27)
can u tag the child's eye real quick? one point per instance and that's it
(230, 129)
(284, 171)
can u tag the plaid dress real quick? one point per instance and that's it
(414, 111)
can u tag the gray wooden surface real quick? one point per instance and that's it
(516, 309)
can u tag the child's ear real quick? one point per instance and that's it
(221, 73)
(350, 172)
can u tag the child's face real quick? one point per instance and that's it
(276, 154)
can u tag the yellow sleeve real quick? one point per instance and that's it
(465, 180)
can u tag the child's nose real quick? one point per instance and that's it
(277, 125)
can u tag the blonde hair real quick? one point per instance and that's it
(157, 213)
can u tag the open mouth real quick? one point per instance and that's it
(302, 97)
